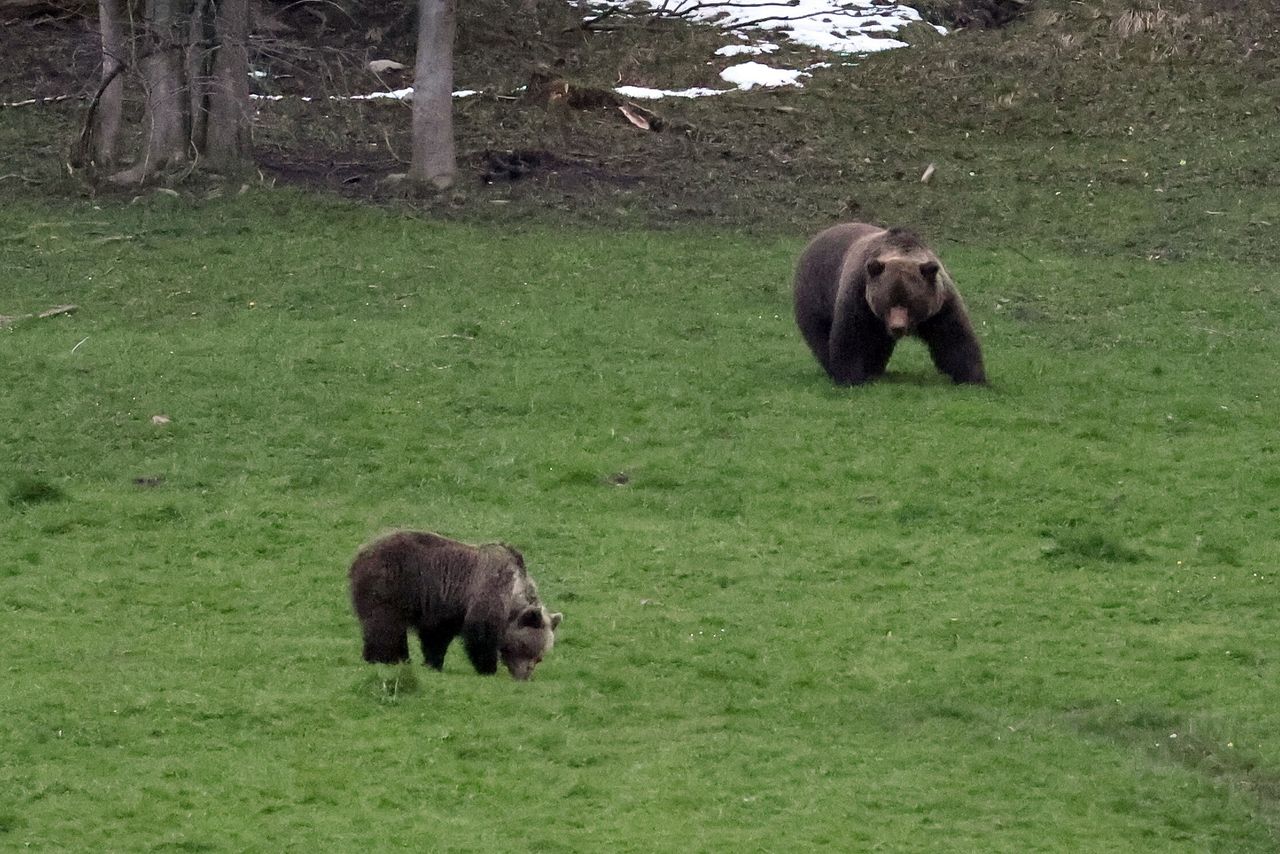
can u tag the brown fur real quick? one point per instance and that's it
(442, 588)
(859, 288)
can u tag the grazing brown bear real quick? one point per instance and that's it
(859, 288)
(442, 588)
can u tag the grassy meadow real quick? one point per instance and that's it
(904, 617)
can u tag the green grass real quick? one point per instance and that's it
(909, 616)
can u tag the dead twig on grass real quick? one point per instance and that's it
(57, 310)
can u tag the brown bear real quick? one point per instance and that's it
(442, 588)
(859, 288)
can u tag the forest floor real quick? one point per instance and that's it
(1149, 117)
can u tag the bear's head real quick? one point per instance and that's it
(904, 290)
(530, 635)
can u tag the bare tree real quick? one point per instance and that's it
(226, 133)
(162, 81)
(433, 160)
(192, 57)
(200, 34)
(106, 135)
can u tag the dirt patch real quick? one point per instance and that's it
(332, 171)
(977, 14)
(552, 170)
(1171, 737)
(375, 176)
(47, 57)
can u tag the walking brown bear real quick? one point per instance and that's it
(442, 588)
(859, 288)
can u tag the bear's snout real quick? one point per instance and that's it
(898, 321)
(521, 671)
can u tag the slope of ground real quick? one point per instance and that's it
(1150, 117)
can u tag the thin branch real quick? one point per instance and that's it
(683, 11)
(589, 23)
(324, 2)
(387, 137)
(85, 143)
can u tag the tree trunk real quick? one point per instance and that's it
(200, 35)
(166, 142)
(433, 160)
(227, 135)
(162, 78)
(106, 137)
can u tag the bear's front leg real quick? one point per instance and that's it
(481, 642)
(849, 371)
(858, 352)
(435, 643)
(953, 346)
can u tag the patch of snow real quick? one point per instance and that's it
(855, 27)
(394, 94)
(748, 75)
(647, 94)
(746, 49)
(842, 26)
(744, 75)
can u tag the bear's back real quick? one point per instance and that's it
(414, 570)
(819, 269)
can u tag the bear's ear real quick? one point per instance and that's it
(875, 267)
(530, 619)
(929, 270)
(556, 619)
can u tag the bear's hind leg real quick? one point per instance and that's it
(386, 640)
(816, 332)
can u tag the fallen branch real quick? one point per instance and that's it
(52, 99)
(547, 89)
(56, 311)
